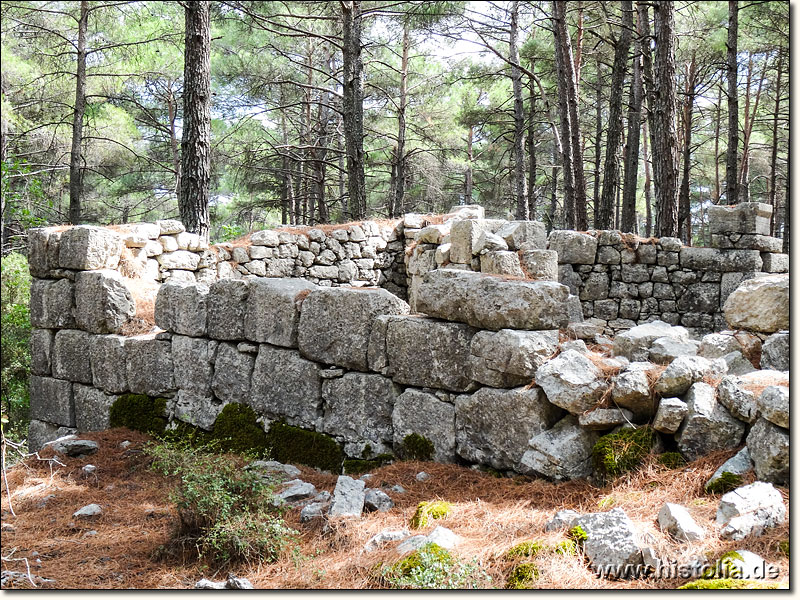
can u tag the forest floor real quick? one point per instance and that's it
(490, 515)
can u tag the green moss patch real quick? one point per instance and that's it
(294, 445)
(522, 576)
(618, 453)
(783, 547)
(567, 548)
(414, 561)
(528, 549)
(730, 584)
(416, 447)
(139, 412)
(671, 460)
(236, 430)
(428, 511)
(724, 483)
(360, 465)
(578, 535)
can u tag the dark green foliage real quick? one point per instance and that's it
(416, 447)
(618, 453)
(139, 412)
(522, 576)
(672, 460)
(783, 547)
(289, 444)
(361, 465)
(724, 483)
(527, 549)
(15, 285)
(236, 430)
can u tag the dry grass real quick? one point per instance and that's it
(144, 295)
(489, 514)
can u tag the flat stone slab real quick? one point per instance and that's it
(760, 304)
(273, 310)
(750, 510)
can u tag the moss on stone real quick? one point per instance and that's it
(528, 549)
(416, 447)
(724, 483)
(618, 453)
(355, 466)
(139, 412)
(567, 548)
(290, 444)
(730, 584)
(725, 567)
(522, 576)
(236, 430)
(427, 511)
(404, 567)
(671, 460)
(578, 535)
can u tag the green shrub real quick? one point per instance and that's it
(226, 512)
(567, 548)
(427, 511)
(618, 453)
(522, 576)
(578, 535)
(139, 412)
(524, 549)
(289, 444)
(724, 483)
(672, 460)
(15, 364)
(433, 567)
(416, 447)
(730, 584)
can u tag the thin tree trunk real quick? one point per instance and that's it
(75, 158)
(520, 193)
(650, 96)
(773, 162)
(605, 212)
(468, 173)
(172, 109)
(731, 179)
(551, 214)
(717, 127)
(578, 46)
(598, 134)
(345, 217)
(566, 125)
(531, 146)
(786, 204)
(400, 150)
(353, 106)
(648, 198)
(196, 140)
(684, 203)
(629, 188)
(750, 118)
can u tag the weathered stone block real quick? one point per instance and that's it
(149, 365)
(335, 324)
(170, 226)
(539, 264)
(284, 385)
(273, 310)
(595, 287)
(492, 302)
(179, 259)
(52, 303)
(775, 262)
(708, 426)
(745, 217)
(71, 358)
(699, 297)
(759, 305)
(501, 263)
(750, 510)
(43, 244)
(107, 353)
(232, 371)
(573, 247)
(635, 343)
(51, 401)
(227, 304)
(193, 359)
(670, 415)
(418, 412)
(92, 408)
(769, 449)
(561, 453)
(428, 353)
(41, 347)
(198, 410)
(182, 308)
(86, 248)
(486, 435)
(464, 237)
(711, 259)
(532, 234)
(509, 357)
(572, 382)
(773, 403)
(40, 433)
(775, 352)
(611, 541)
(103, 303)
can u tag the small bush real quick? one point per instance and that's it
(416, 447)
(433, 567)
(671, 460)
(724, 483)
(578, 535)
(522, 576)
(226, 512)
(567, 548)
(618, 453)
(525, 549)
(427, 511)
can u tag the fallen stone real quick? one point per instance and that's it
(670, 415)
(635, 343)
(611, 542)
(739, 464)
(377, 500)
(509, 357)
(295, 490)
(443, 537)
(270, 467)
(315, 510)
(563, 519)
(71, 446)
(631, 390)
(676, 520)
(422, 476)
(237, 583)
(415, 542)
(572, 382)
(775, 352)
(760, 304)
(708, 426)
(773, 404)
(736, 364)
(740, 401)
(769, 449)
(717, 345)
(39, 433)
(601, 419)
(681, 373)
(743, 564)
(561, 453)
(87, 512)
(489, 242)
(384, 537)
(348, 497)
(750, 511)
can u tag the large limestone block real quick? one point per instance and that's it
(428, 353)
(43, 243)
(41, 346)
(572, 382)
(760, 304)
(750, 510)
(335, 324)
(721, 261)
(745, 217)
(464, 237)
(501, 263)
(539, 264)
(284, 385)
(708, 426)
(573, 247)
(509, 357)
(631, 390)
(491, 302)
(561, 453)
(227, 304)
(107, 353)
(635, 343)
(92, 408)
(775, 352)
(358, 408)
(149, 365)
(681, 373)
(422, 413)
(198, 410)
(182, 307)
(733, 394)
(170, 226)
(71, 358)
(348, 497)
(532, 234)
(103, 303)
(179, 259)
(86, 248)
(611, 544)
(773, 403)
(493, 426)
(51, 401)
(769, 450)
(52, 303)
(232, 371)
(193, 360)
(273, 310)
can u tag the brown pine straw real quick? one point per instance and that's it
(489, 514)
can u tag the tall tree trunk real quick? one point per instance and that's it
(551, 214)
(634, 128)
(75, 158)
(605, 213)
(399, 166)
(773, 161)
(650, 96)
(786, 204)
(749, 119)
(717, 127)
(468, 173)
(345, 216)
(597, 138)
(648, 198)
(665, 146)
(731, 179)
(684, 203)
(520, 193)
(530, 142)
(172, 109)
(320, 147)
(196, 140)
(578, 46)
(353, 106)
(566, 125)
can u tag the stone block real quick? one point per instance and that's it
(227, 304)
(43, 245)
(429, 353)
(85, 248)
(635, 343)
(179, 259)
(745, 217)
(539, 264)
(193, 360)
(232, 371)
(699, 297)
(750, 510)
(71, 358)
(769, 449)
(561, 453)
(608, 310)
(170, 226)
(501, 263)
(774, 262)
(573, 247)
(107, 353)
(572, 382)
(595, 287)
(708, 425)
(92, 408)
(760, 304)
(711, 259)
(198, 410)
(40, 433)
(284, 385)
(509, 357)
(611, 542)
(422, 413)
(149, 365)
(775, 352)
(52, 303)
(41, 347)
(773, 404)
(51, 401)
(676, 520)
(464, 236)
(517, 234)
(103, 303)
(670, 415)
(273, 310)
(181, 307)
